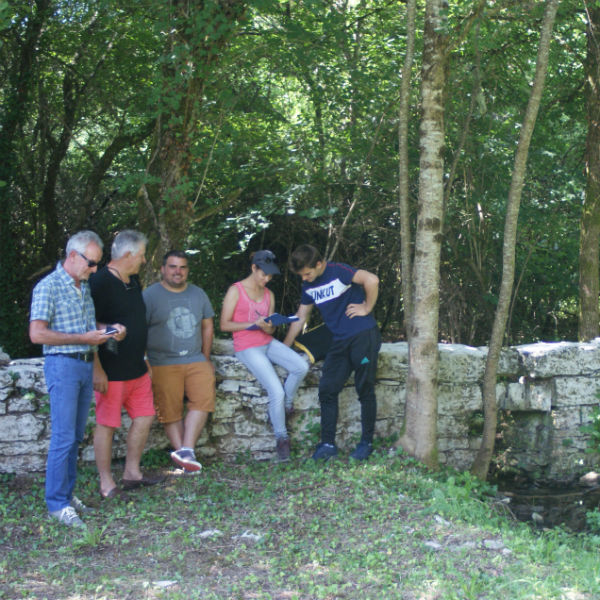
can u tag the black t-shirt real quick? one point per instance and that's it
(118, 302)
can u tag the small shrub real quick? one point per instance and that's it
(155, 458)
(592, 519)
(593, 430)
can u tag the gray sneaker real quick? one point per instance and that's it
(80, 507)
(67, 516)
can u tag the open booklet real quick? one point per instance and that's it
(276, 319)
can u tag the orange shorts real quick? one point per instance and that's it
(171, 382)
(135, 395)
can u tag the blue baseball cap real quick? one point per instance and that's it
(266, 260)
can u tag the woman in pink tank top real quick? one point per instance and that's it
(245, 307)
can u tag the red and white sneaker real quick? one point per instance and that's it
(186, 459)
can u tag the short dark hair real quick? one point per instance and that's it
(176, 253)
(305, 256)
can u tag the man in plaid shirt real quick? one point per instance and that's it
(63, 320)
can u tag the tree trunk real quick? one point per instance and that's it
(482, 460)
(589, 287)
(420, 427)
(53, 238)
(403, 174)
(166, 202)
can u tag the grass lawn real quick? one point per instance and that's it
(249, 530)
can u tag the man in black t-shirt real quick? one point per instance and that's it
(121, 378)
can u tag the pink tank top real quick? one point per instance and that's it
(248, 310)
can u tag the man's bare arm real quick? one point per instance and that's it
(207, 330)
(296, 327)
(370, 283)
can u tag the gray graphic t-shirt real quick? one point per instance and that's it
(174, 324)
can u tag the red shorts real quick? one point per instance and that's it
(134, 395)
(170, 382)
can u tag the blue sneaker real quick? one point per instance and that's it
(324, 451)
(362, 451)
(186, 459)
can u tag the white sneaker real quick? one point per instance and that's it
(79, 506)
(68, 516)
(186, 459)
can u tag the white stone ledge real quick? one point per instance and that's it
(548, 391)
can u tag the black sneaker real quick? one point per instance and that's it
(362, 451)
(325, 451)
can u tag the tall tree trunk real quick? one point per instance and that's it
(420, 427)
(53, 239)
(166, 202)
(403, 173)
(482, 460)
(589, 260)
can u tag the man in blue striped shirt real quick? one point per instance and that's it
(63, 320)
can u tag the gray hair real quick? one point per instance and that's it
(126, 241)
(81, 240)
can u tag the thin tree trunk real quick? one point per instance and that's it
(482, 460)
(419, 433)
(589, 260)
(104, 162)
(403, 174)
(420, 426)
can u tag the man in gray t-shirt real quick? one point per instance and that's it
(180, 337)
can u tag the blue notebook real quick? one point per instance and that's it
(276, 319)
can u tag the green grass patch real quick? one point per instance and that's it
(388, 528)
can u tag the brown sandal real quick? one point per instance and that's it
(116, 492)
(134, 484)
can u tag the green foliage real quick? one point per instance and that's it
(308, 422)
(155, 458)
(593, 521)
(280, 128)
(592, 429)
(91, 538)
(384, 529)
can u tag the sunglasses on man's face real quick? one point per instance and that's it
(90, 263)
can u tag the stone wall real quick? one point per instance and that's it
(546, 392)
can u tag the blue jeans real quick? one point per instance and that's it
(69, 383)
(259, 361)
